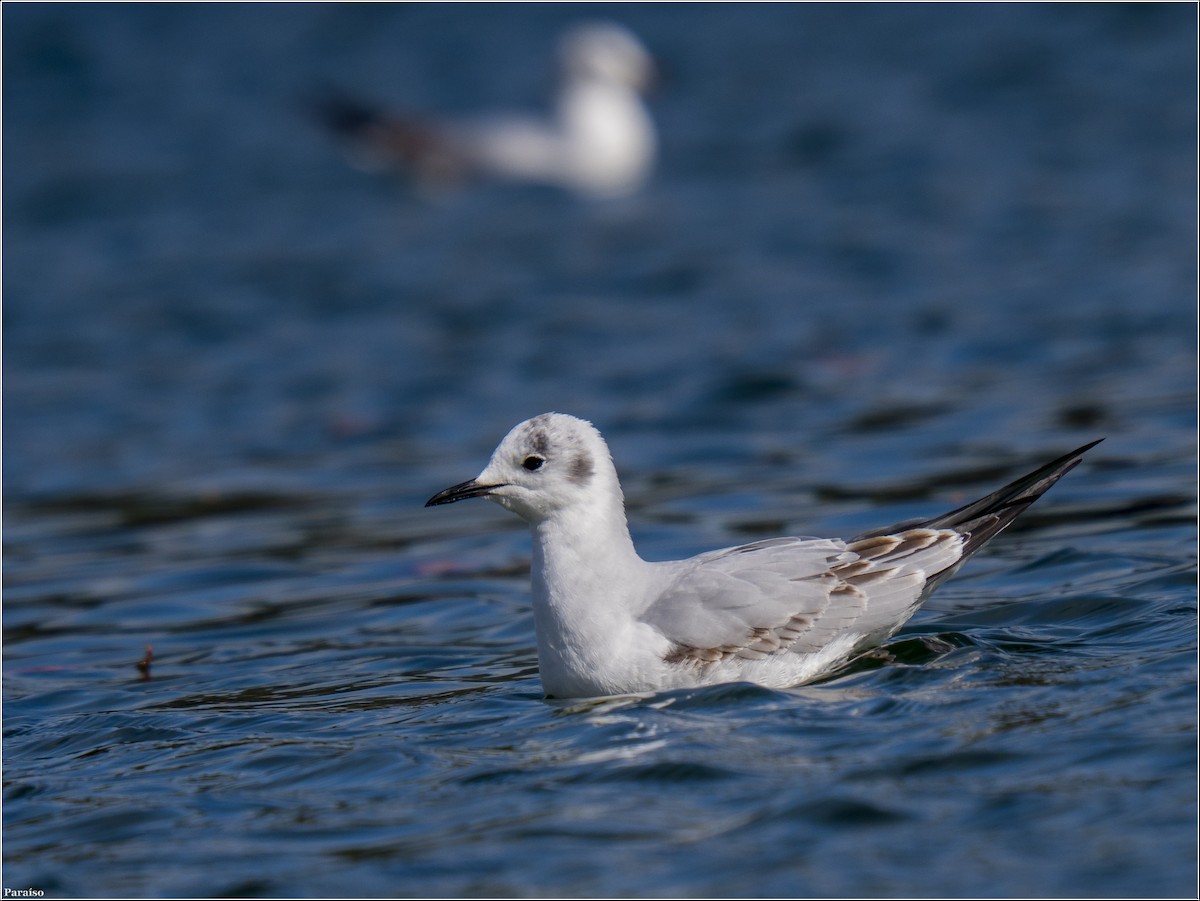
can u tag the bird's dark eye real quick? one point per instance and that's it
(533, 462)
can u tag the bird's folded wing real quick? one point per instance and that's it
(797, 594)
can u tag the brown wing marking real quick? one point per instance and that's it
(876, 560)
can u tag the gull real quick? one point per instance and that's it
(600, 143)
(778, 612)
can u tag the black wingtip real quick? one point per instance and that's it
(339, 112)
(985, 518)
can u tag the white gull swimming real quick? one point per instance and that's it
(600, 142)
(777, 612)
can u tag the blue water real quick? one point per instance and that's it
(892, 256)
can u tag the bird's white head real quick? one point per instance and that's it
(606, 52)
(544, 466)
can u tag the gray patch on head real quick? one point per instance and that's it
(580, 469)
(539, 442)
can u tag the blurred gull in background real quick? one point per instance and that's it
(600, 142)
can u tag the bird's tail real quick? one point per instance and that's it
(984, 519)
(379, 140)
(343, 115)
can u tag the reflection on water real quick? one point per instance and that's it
(889, 257)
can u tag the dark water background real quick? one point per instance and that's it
(892, 256)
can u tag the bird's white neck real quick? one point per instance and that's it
(586, 594)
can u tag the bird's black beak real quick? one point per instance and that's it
(461, 492)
